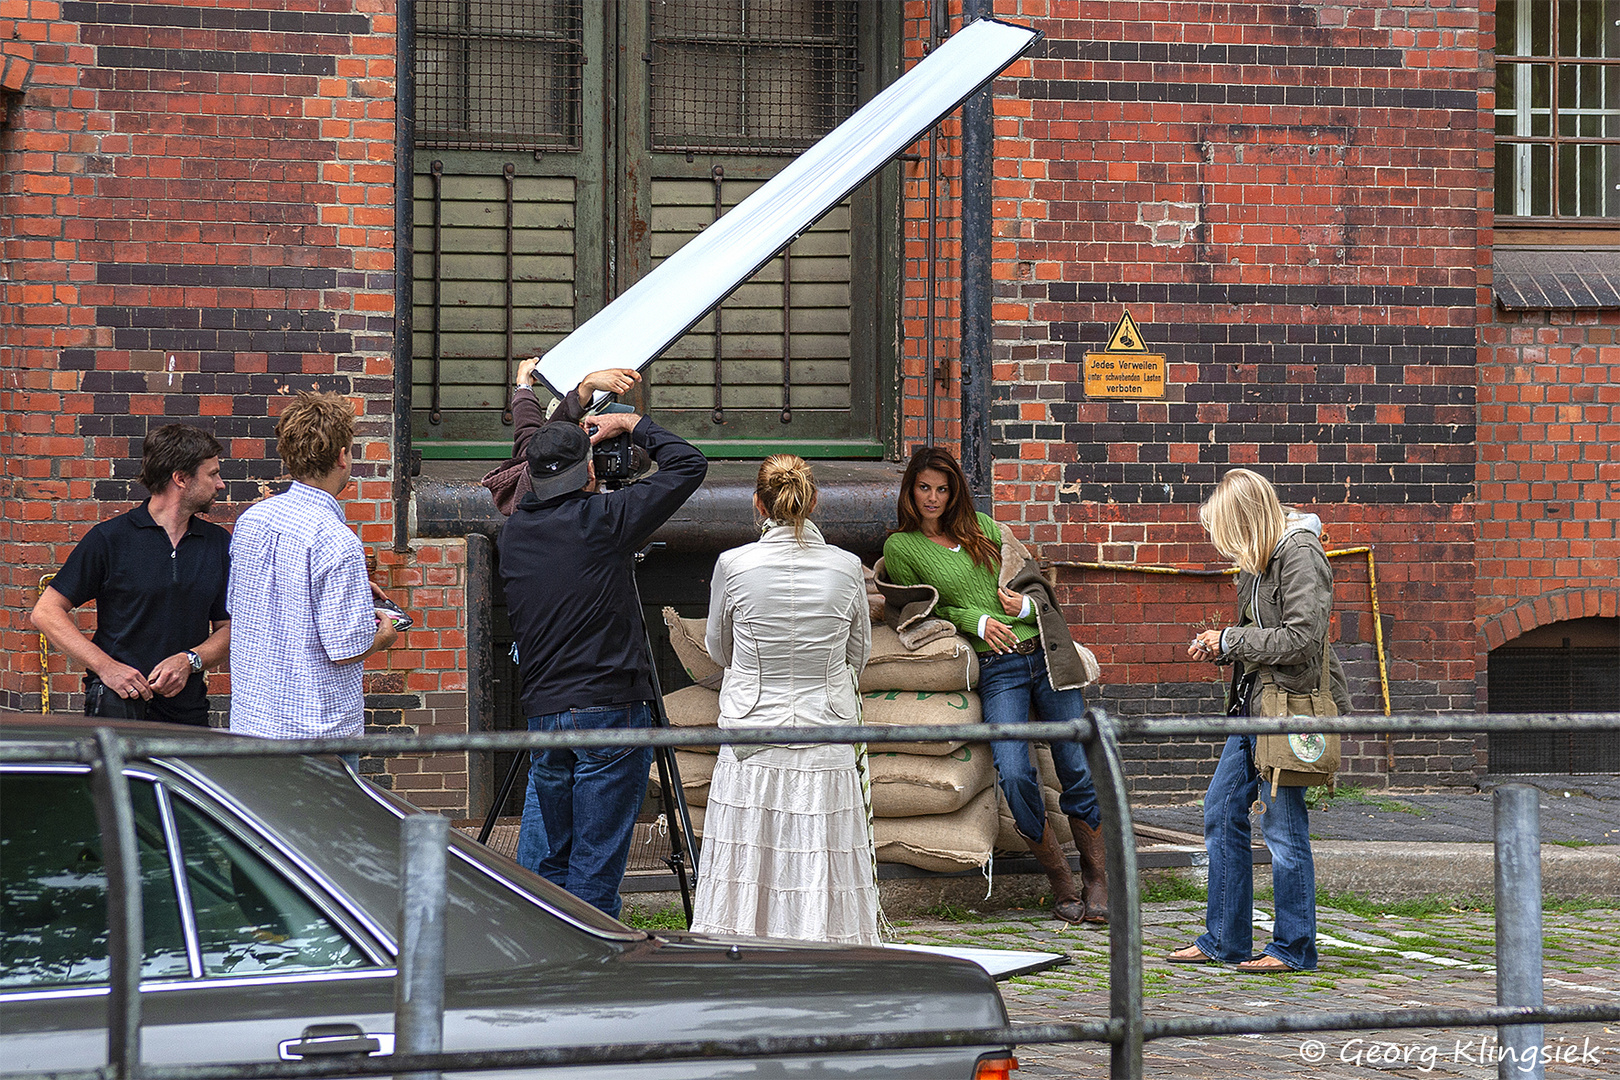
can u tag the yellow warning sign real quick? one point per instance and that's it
(1125, 369)
(1126, 337)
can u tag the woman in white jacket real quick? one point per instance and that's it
(787, 846)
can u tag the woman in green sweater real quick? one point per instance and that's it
(941, 542)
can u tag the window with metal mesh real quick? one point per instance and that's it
(498, 74)
(1557, 109)
(1555, 680)
(757, 76)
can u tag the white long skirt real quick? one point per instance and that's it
(786, 851)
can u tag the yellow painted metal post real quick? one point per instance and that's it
(44, 670)
(1372, 589)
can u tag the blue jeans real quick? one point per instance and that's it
(1010, 686)
(1229, 917)
(580, 809)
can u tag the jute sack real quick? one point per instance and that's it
(943, 664)
(874, 599)
(944, 842)
(912, 785)
(694, 706)
(686, 636)
(696, 771)
(696, 814)
(907, 708)
(1008, 839)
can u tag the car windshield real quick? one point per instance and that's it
(519, 879)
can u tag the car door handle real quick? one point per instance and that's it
(320, 1040)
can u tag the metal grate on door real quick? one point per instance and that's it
(752, 76)
(1568, 679)
(499, 74)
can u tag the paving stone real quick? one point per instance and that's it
(1367, 970)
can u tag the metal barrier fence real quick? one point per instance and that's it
(420, 987)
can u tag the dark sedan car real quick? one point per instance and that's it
(270, 888)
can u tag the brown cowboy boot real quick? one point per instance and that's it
(1066, 903)
(1093, 869)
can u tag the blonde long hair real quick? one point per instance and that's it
(1244, 519)
(787, 489)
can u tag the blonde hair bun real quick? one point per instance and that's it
(787, 489)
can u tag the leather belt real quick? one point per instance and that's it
(1029, 646)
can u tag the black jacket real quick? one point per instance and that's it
(570, 589)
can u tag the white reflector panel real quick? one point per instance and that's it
(654, 312)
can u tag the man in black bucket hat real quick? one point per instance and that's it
(566, 557)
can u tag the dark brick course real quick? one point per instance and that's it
(237, 63)
(220, 18)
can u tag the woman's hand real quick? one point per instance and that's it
(613, 380)
(1012, 603)
(1001, 637)
(1206, 646)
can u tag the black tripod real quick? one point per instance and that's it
(676, 813)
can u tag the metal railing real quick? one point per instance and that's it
(420, 987)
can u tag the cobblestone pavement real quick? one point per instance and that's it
(1369, 960)
(1574, 810)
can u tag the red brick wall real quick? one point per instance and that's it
(201, 206)
(1548, 473)
(1285, 199)
(1549, 470)
(946, 211)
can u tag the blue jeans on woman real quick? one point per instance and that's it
(1229, 917)
(580, 809)
(1010, 685)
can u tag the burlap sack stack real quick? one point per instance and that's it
(935, 804)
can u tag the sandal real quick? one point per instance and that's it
(1192, 954)
(1266, 964)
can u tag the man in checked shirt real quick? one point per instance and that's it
(304, 610)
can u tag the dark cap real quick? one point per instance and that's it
(559, 459)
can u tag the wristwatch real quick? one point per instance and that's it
(196, 661)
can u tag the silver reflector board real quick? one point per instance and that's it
(653, 313)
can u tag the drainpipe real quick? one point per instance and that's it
(978, 146)
(480, 667)
(939, 26)
(404, 166)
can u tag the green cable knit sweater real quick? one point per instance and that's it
(966, 589)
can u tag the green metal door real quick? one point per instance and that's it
(565, 147)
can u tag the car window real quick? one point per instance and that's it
(53, 884)
(249, 919)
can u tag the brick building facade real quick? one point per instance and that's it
(1292, 201)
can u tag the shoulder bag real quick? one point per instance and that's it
(1308, 759)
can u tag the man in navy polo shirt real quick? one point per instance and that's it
(157, 575)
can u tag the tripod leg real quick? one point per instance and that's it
(669, 781)
(680, 826)
(500, 800)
